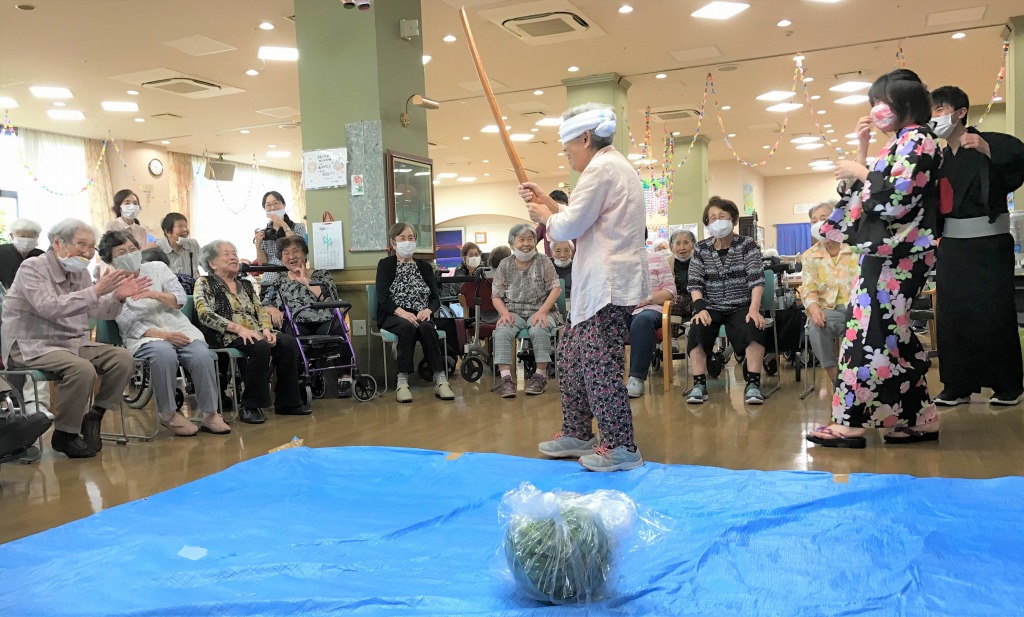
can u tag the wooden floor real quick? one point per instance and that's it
(978, 441)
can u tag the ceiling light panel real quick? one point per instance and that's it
(65, 114)
(853, 99)
(286, 54)
(784, 107)
(720, 10)
(50, 92)
(776, 95)
(851, 86)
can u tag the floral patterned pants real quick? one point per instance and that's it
(882, 369)
(591, 364)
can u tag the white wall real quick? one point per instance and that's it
(782, 192)
(500, 198)
(496, 227)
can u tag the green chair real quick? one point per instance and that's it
(524, 334)
(107, 333)
(385, 336)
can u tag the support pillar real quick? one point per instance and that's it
(608, 89)
(1015, 78)
(690, 184)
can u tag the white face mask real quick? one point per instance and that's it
(279, 213)
(74, 264)
(562, 263)
(473, 262)
(129, 262)
(130, 211)
(943, 125)
(405, 249)
(720, 228)
(682, 259)
(25, 245)
(816, 231)
(180, 240)
(524, 255)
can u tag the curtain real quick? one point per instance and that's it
(101, 193)
(298, 198)
(793, 238)
(59, 172)
(181, 177)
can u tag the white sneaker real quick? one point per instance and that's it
(635, 387)
(563, 446)
(403, 394)
(32, 407)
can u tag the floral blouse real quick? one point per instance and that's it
(216, 307)
(896, 212)
(409, 290)
(296, 295)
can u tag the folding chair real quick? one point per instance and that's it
(387, 337)
(108, 334)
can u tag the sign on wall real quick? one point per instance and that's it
(322, 169)
(329, 245)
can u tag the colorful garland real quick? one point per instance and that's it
(8, 129)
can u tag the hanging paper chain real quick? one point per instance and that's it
(999, 83)
(8, 129)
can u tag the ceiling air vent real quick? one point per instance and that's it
(184, 86)
(166, 116)
(673, 114)
(544, 22)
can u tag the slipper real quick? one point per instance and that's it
(912, 435)
(838, 441)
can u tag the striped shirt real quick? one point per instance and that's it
(662, 277)
(184, 260)
(726, 286)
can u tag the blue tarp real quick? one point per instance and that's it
(382, 531)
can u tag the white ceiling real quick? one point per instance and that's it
(84, 44)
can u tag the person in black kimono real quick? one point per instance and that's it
(975, 310)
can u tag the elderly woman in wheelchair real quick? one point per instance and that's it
(155, 330)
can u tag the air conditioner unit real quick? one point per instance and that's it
(221, 171)
(544, 22)
(184, 86)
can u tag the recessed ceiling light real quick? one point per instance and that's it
(827, 1)
(850, 86)
(959, 35)
(278, 154)
(538, 92)
(551, 121)
(676, 133)
(788, 168)
(466, 179)
(726, 107)
(266, 25)
(765, 147)
(560, 154)
(573, 69)
(485, 175)
(853, 99)
(447, 174)
(287, 54)
(50, 92)
(534, 130)
(561, 166)
(660, 76)
(850, 136)
(165, 141)
(720, 10)
(449, 38)
(493, 128)
(807, 139)
(140, 120)
(59, 103)
(465, 138)
(7, 102)
(119, 106)
(997, 99)
(244, 131)
(625, 9)
(776, 95)
(521, 136)
(822, 112)
(252, 72)
(784, 107)
(485, 161)
(833, 141)
(815, 97)
(426, 58)
(732, 134)
(271, 145)
(830, 131)
(808, 80)
(828, 126)
(65, 114)
(133, 92)
(853, 142)
(810, 146)
(784, 23)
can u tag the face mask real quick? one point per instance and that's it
(682, 259)
(74, 264)
(25, 245)
(720, 228)
(279, 213)
(562, 263)
(943, 125)
(816, 231)
(180, 240)
(405, 249)
(883, 117)
(129, 262)
(524, 256)
(130, 211)
(473, 262)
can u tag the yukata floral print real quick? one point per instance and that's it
(891, 220)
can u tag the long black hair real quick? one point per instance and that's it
(905, 94)
(272, 233)
(119, 198)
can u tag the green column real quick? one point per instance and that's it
(1015, 78)
(690, 184)
(354, 66)
(609, 89)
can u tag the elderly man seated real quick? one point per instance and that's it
(829, 271)
(154, 329)
(524, 291)
(46, 327)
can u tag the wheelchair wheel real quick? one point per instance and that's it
(137, 393)
(472, 369)
(318, 385)
(364, 388)
(771, 366)
(529, 366)
(716, 362)
(179, 399)
(306, 393)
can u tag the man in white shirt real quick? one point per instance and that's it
(605, 219)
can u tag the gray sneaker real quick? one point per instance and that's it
(752, 395)
(635, 387)
(538, 384)
(698, 395)
(564, 446)
(508, 388)
(616, 459)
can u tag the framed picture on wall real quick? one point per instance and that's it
(480, 237)
(410, 197)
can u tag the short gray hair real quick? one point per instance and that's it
(26, 225)
(516, 231)
(572, 247)
(596, 142)
(686, 232)
(829, 205)
(210, 252)
(66, 229)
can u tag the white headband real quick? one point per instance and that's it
(600, 121)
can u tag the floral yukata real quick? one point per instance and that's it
(892, 221)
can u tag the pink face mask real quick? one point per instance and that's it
(882, 116)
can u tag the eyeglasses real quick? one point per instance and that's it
(271, 203)
(84, 246)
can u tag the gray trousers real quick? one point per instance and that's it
(164, 359)
(505, 340)
(78, 372)
(823, 340)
